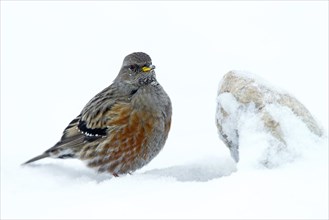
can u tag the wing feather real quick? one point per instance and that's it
(91, 125)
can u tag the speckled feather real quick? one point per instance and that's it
(124, 126)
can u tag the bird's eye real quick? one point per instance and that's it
(133, 67)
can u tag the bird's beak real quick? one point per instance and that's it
(147, 69)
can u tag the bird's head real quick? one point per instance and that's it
(137, 70)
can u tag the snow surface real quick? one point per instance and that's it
(55, 56)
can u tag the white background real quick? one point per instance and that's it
(56, 55)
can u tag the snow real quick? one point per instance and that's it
(56, 55)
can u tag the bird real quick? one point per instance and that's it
(123, 127)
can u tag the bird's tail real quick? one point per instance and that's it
(44, 155)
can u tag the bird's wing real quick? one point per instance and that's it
(97, 115)
(91, 125)
(71, 140)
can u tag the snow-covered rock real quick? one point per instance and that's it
(261, 124)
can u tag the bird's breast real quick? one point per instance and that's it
(150, 98)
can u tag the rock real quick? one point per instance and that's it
(247, 105)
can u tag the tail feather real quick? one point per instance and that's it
(44, 155)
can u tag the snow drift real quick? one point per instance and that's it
(260, 123)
